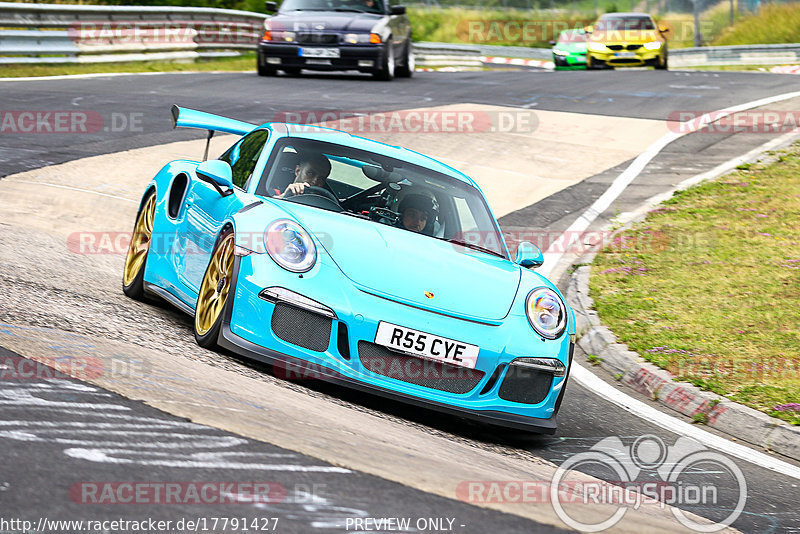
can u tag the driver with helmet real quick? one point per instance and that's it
(417, 213)
(312, 170)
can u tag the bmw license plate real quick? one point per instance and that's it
(427, 345)
(319, 52)
(625, 54)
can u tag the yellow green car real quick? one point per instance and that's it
(626, 40)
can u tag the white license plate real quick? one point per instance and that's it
(320, 52)
(625, 54)
(427, 345)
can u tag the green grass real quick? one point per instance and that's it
(244, 62)
(774, 23)
(708, 286)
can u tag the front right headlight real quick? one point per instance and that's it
(558, 52)
(596, 47)
(546, 312)
(290, 246)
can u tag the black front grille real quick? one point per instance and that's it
(318, 38)
(418, 371)
(300, 327)
(624, 47)
(624, 60)
(525, 385)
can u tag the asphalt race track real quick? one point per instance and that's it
(60, 435)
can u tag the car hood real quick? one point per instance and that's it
(325, 21)
(401, 265)
(626, 36)
(572, 47)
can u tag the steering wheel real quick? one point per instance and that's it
(320, 192)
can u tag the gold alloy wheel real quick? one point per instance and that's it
(140, 242)
(215, 286)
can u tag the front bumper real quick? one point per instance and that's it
(352, 57)
(246, 330)
(570, 60)
(640, 57)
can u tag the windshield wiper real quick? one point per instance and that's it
(473, 246)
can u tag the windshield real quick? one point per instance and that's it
(625, 23)
(380, 190)
(574, 36)
(367, 6)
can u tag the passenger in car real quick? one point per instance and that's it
(417, 213)
(311, 170)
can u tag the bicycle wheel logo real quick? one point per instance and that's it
(647, 470)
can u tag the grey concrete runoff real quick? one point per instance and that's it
(595, 338)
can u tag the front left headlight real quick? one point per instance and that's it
(558, 52)
(290, 246)
(361, 38)
(652, 45)
(546, 312)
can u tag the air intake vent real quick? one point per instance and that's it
(302, 328)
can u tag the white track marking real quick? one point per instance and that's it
(96, 455)
(719, 170)
(12, 181)
(667, 422)
(595, 384)
(557, 248)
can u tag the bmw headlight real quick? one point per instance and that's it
(361, 38)
(546, 312)
(596, 47)
(653, 45)
(290, 246)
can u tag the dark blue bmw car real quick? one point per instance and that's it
(363, 35)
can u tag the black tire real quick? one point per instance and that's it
(134, 288)
(386, 72)
(665, 66)
(264, 70)
(406, 70)
(208, 338)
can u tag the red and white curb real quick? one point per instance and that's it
(786, 69)
(538, 63)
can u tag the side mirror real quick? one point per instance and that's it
(552, 43)
(588, 29)
(271, 6)
(664, 30)
(218, 174)
(529, 255)
(397, 10)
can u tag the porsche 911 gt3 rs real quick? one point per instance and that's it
(292, 248)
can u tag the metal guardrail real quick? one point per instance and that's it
(59, 33)
(775, 54)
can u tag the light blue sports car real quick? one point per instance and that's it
(336, 257)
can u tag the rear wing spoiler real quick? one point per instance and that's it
(190, 118)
